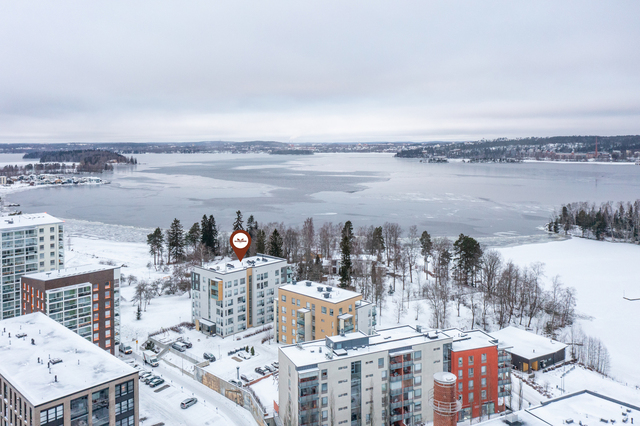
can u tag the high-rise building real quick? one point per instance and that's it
(85, 299)
(50, 376)
(30, 243)
(229, 297)
(356, 379)
(309, 311)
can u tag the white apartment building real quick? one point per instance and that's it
(358, 380)
(30, 243)
(229, 297)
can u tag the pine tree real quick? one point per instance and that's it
(237, 224)
(175, 241)
(206, 232)
(261, 241)
(193, 236)
(139, 314)
(378, 241)
(345, 248)
(214, 235)
(155, 241)
(426, 246)
(275, 244)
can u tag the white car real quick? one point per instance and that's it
(244, 355)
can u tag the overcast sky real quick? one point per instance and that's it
(325, 70)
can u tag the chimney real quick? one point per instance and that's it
(444, 401)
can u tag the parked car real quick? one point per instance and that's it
(124, 348)
(185, 342)
(244, 355)
(145, 375)
(188, 402)
(179, 346)
(269, 368)
(149, 379)
(259, 370)
(156, 382)
(276, 364)
(209, 356)
(243, 377)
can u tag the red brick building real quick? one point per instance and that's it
(481, 375)
(85, 299)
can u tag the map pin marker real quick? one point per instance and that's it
(240, 243)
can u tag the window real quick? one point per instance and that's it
(417, 393)
(284, 339)
(380, 362)
(384, 374)
(107, 294)
(324, 388)
(417, 367)
(470, 396)
(483, 394)
(52, 245)
(95, 306)
(284, 328)
(417, 355)
(324, 310)
(52, 238)
(52, 262)
(107, 344)
(323, 374)
(100, 407)
(483, 370)
(460, 362)
(483, 382)
(107, 333)
(96, 326)
(325, 401)
(417, 380)
(51, 415)
(107, 304)
(459, 374)
(79, 410)
(331, 312)
(96, 336)
(483, 358)
(470, 359)
(471, 372)
(459, 387)
(470, 384)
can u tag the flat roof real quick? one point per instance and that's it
(469, 340)
(84, 365)
(231, 266)
(26, 220)
(336, 295)
(69, 272)
(526, 344)
(315, 352)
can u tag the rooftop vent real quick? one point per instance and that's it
(308, 283)
(56, 361)
(326, 295)
(320, 289)
(294, 282)
(329, 288)
(228, 265)
(21, 335)
(419, 328)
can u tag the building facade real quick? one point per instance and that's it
(530, 351)
(30, 243)
(229, 297)
(482, 373)
(61, 379)
(85, 299)
(309, 311)
(356, 379)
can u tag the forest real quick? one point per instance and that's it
(613, 221)
(86, 160)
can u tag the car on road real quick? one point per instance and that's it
(259, 370)
(188, 402)
(124, 348)
(156, 382)
(179, 346)
(209, 356)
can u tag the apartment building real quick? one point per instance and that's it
(482, 369)
(51, 376)
(309, 311)
(30, 243)
(85, 299)
(357, 380)
(229, 297)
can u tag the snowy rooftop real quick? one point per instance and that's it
(584, 407)
(336, 295)
(24, 220)
(384, 340)
(84, 365)
(231, 266)
(468, 340)
(526, 344)
(69, 272)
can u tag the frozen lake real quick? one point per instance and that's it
(489, 201)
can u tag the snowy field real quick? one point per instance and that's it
(601, 273)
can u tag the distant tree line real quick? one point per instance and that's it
(87, 160)
(37, 168)
(619, 222)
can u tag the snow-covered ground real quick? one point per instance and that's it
(601, 272)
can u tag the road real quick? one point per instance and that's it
(164, 406)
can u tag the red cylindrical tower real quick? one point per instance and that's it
(443, 399)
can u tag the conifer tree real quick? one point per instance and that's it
(275, 244)
(175, 241)
(237, 224)
(345, 248)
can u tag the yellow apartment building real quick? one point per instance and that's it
(309, 311)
